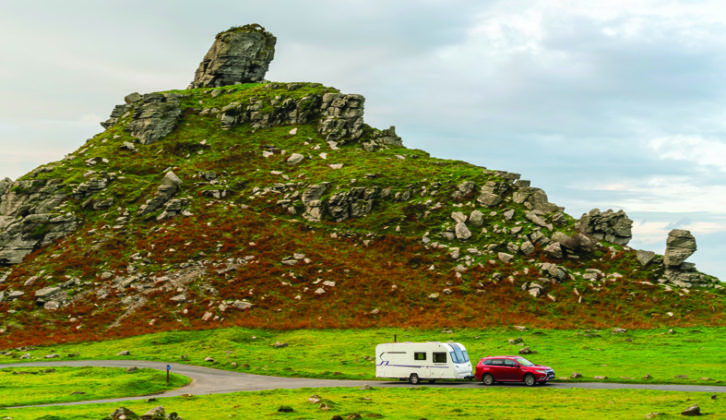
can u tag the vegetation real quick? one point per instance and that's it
(628, 357)
(390, 402)
(118, 268)
(42, 385)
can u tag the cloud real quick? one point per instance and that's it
(691, 148)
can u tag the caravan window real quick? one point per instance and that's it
(439, 357)
(458, 355)
(419, 355)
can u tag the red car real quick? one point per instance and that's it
(511, 369)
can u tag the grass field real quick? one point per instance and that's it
(688, 355)
(36, 385)
(409, 403)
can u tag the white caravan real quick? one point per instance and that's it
(422, 361)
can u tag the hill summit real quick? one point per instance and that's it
(245, 202)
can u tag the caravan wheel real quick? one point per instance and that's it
(413, 379)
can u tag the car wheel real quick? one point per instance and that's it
(529, 380)
(487, 379)
(413, 379)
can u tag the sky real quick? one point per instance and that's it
(604, 104)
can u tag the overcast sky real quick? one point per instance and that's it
(602, 103)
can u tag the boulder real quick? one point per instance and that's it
(123, 413)
(644, 257)
(238, 55)
(476, 218)
(458, 217)
(167, 189)
(156, 413)
(295, 159)
(462, 232)
(615, 227)
(489, 199)
(693, 410)
(680, 245)
(554, 250)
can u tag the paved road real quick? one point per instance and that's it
(215, 381)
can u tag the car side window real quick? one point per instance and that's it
(497, 362)
(439, 357)
(510, 363)
(419, 355)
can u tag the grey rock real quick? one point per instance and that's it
(123, 353)
(123, 413)
(238, 55)
(680, 245)
(527, 248)
(462, 232)
(155, 116)
(526, 350)
(693, 410)
(279, 345)
(458, 217)
(132, 98)
(535, 218)
(489, 199)
(644, 257)
(554, 250)
(156, 413)
(167, 189)
(615, 227)
(466, 187)
(504, 257)
(342, 117)
(534, 199)
(476, 218)
(508, 214)
(295, 159)
(46, 293)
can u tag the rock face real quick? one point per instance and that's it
(238, 55)
(29, 217)
(612, 226)
(680, 245)
(153, 116)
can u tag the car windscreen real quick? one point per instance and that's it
(524, 362)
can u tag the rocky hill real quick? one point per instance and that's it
(244, 202)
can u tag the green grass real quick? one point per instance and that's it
(693, 352)
(42, 385)
(411, 403)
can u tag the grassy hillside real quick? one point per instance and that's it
(241, 243)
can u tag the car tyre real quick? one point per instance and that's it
(487, 379)
(413, 379)
(529, 380)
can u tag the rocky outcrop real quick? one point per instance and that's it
(153, 116)
(534, 199)
(238, 55)
(358, 202)
(342, 116)
(612, 226)
(167, 189)
(29, 217)
(339, 116)
(680, 245)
